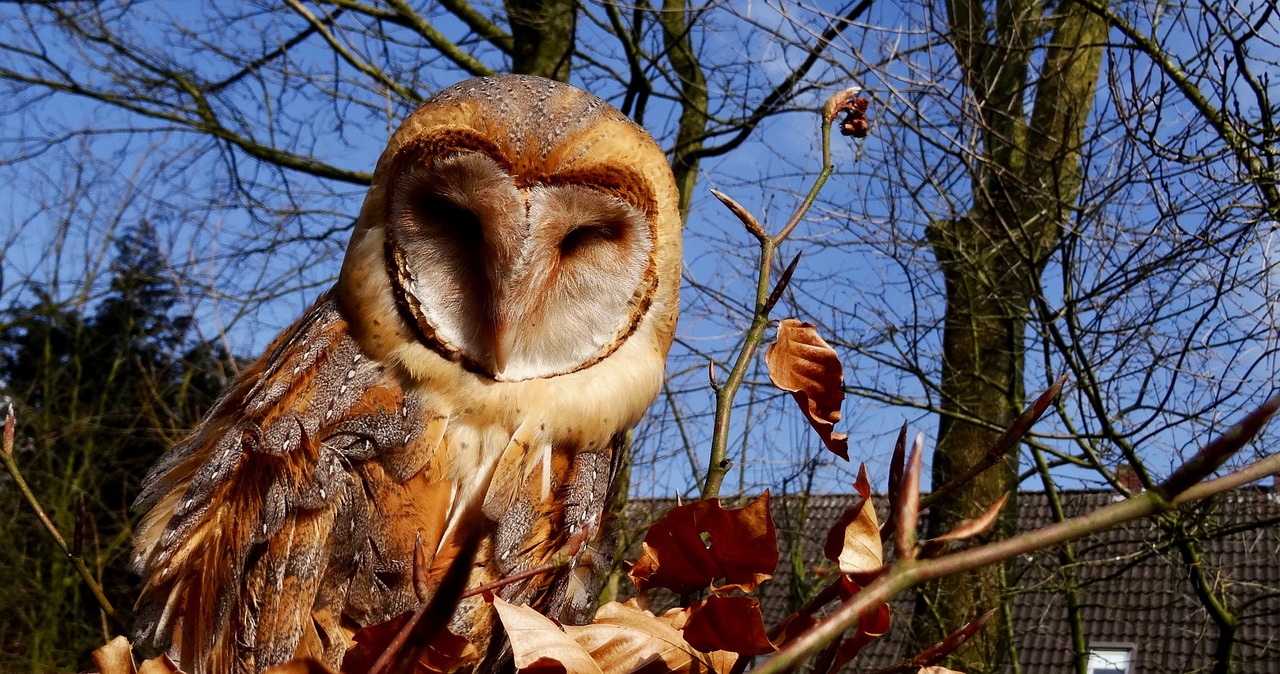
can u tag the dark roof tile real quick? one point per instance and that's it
(1134, 586)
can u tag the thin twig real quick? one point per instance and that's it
(718, 464)
(11, 465)
(905, 574)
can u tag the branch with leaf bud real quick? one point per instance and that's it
(854, 123)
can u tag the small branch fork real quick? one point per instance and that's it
(845, 102)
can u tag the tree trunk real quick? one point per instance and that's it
(1025, 186)
(693, 99)
(542, 32)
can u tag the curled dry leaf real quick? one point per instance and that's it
(854, 542)
(116, 657)
(728, 624)
(540, 645)
(695, 545)
(965, 529)
(160, 665)
(625, 638)
(803, 364)
(950, 643)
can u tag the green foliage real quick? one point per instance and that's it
(101, 390)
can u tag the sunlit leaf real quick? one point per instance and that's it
(854, 541)
(803, 364)
(965, 529)
(625, 638)
(540, 645)
(116, 657)
(160, 665)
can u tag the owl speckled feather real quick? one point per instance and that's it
(502, 317)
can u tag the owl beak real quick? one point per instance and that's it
(503, 344)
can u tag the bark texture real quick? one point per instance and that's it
(1026, 180)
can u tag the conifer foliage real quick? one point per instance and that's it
(101, 386)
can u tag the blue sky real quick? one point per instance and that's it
(867, 276)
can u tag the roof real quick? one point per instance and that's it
(1134, 586)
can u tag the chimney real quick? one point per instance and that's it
(1128, 477)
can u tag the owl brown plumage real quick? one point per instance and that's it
(503, 315)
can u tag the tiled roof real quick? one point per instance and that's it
(1134, 587)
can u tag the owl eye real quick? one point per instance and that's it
(586, 235)
(441, 210)
(449, 221)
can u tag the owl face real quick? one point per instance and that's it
(520, 245)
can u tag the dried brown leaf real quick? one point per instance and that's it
(625, 638)
(897, 470)
(446, 652)
(115, 657)
(540, 645)
(871, 626)
(907, 504)
(970, 528)
(728, 624)
(951, 642)
(696, 545)
(802, 363)
(854, 542)
(160, 665)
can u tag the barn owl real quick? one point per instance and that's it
(501, 318)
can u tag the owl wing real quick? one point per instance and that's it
(288, 507)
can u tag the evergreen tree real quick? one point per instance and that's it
(100, 393)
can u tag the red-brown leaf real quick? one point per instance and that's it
(728, 624)
(793, 626)
(951, 642)
(965, 529)
(871, 626)
(854, 542)
(803, 364)
(447, 651)
(696, 545)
